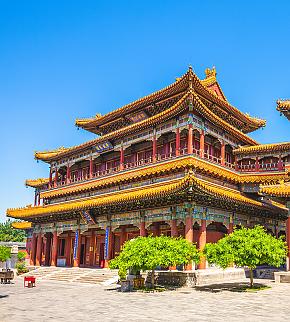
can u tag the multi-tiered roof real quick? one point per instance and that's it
(205, 95)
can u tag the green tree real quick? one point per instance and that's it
(248, 247)
(8, 233)
(146, 253)
(5, 253)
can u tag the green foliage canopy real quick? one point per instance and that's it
(247, 247)
(146, 253)
(5, 253)
(8, 233)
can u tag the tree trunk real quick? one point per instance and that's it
(251, 278)
(152, 278)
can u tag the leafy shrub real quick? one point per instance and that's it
(146, 253)
(5, 253)
(21, 255)
(21, 268)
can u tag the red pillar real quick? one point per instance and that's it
(174, 229)
(288, 242)
(236, 164)
(67, 174)
(223, 153)
(154, 148)
(202, 243)
(91, 250)
(189, 139)
(39, 250)
(76, 260)
(123, 236)
(54, 249)
(201, 147)
(142, 229)
(68, 250)
(257, 166)
(50, 178)
(91, 168)
(33, 250)
(177, 143)
(55, 178)
(189, 234)
(35, 197)
(122, 158)
(231, 228)
(280, 164)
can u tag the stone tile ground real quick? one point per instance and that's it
(60, 301)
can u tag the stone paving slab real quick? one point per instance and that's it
(60, 301)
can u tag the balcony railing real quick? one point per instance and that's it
(162, 157)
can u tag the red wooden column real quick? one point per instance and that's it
(142, 229)
(280, 164)
(201, 147)
(189, 232)
(35, 197)
(231, 226)
(257, 166)
(54, 249)
(123, 236)
(154, 148)
(189, 139)
(177, 143)
(76, 260)
(236, 164)
(50, 178)
(122, 158)
(39, 250)
(92, 244)
(33, 250)
(68, 250)
(223, 153)
(67, 174)
(288, 241)
(174, 229)
(202, 243)
(55, 178)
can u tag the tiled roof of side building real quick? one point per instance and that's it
(283, 146)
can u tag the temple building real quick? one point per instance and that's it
(177, 162)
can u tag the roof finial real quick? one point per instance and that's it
(210, 72)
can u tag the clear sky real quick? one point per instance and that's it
(60, 60)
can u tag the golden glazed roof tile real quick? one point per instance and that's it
(146, 193)
(278, 190)
(35, 183)
(283, 146)
(22, 225)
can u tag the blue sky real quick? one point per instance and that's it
(60, 60)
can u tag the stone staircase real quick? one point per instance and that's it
(79, 275)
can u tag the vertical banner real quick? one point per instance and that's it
(76, 244)
(107, 242)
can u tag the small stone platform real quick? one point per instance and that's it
(198, 277)
(282, 277)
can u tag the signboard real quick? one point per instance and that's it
(103, 147)
(76, 244)
(107, 242)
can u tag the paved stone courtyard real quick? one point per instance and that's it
(63, 301)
